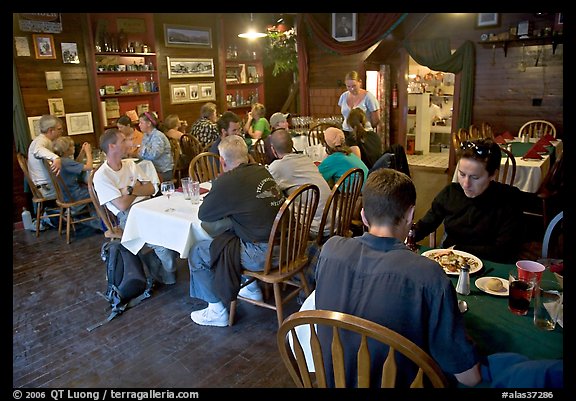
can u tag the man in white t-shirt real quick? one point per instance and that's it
(119, 184)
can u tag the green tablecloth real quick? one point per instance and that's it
(519, 149)
(495, 329)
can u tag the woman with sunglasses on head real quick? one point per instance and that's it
(156, 146)
(480, 215)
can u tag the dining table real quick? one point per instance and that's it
(494, 328)
(151, 222)
(529, 172)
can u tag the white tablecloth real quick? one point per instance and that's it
(316, 152)
(148, 222)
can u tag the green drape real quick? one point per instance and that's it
(436, 55)
(19, 122)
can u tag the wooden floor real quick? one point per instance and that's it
(154, 345)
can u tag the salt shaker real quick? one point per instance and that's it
(463, 286)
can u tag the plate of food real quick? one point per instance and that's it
(451, 260)
(493, 285)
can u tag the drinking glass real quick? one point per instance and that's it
(167, 188)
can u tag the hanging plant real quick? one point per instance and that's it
(280, 51)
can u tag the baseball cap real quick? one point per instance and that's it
(278, 118)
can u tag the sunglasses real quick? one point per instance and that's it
(480, 150)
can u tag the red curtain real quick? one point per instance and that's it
(374, 27)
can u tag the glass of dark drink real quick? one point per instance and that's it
(519, 292)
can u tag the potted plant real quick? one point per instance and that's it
(280, 51)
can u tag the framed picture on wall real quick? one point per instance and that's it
(79, 123)
(344, 26)
(44, 46)
(189, 67)
(207, 90)
(487, 20)
(34, 125)
(179, 93)
(187, 36)
(56, 106)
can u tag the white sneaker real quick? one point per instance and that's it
(207, 317)
(252, 291)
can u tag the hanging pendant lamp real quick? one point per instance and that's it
(252, 32)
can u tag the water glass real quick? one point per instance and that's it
(195, 192)
(547, 304)
(186, 187)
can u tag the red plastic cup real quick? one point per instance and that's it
(529, 268)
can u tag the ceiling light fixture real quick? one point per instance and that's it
(252, 32)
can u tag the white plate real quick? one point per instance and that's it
(132, 158)
(481, 284)
(473, 269)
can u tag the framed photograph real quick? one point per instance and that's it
(207, 90)
(344, 26)
(44, 46)
(189, 67)
(487, 20)
(70, 53)
(54, 80)
(187, 36)
(34, 125)
(179, 93)
(56, 107)
(194, 92)
(79, 123)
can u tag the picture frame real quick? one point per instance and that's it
(79, 123)
(187, 36)
(70, 53)
(56, 106)
(207, 91)
(34, 125)
(179, 93)
(44, 46)
(189, 67)
(344, 26)
(487, 20)
(191, 92)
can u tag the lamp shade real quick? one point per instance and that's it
(252, 32)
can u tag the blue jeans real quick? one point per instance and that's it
(252, 257)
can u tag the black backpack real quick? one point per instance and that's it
(127, 281)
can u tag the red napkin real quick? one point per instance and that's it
(532, 154)
(179, 189)
(544, 142)
(499, 139)
(507, 135)
(539, 147)
(203, 191)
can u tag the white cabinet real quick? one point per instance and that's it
(418, 124)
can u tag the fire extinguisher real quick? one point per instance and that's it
(395, 96)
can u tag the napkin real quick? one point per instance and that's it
(544, 142)
(532, 154)
(549, 137)
(551, 306)
(507, 135)
(539, 147)
(499, 139)
(203, 191)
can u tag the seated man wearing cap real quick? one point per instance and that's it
(277, 121)
(340, 158)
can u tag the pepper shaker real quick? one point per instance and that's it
(463, 286)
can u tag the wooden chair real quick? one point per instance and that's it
(341, 205)
(180, 167)
(508, 167)
(316, 134)
(37, 196)
(366, 331)
(205, 167)
(63, 193)
(190, 147)
(548, 233)
(287, 256)
(537, 129)
(473, 132)
(486, 130)
(113, 230)
(258, 152)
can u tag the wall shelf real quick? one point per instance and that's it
(554, 40)
(125, 72)
(129, 95)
